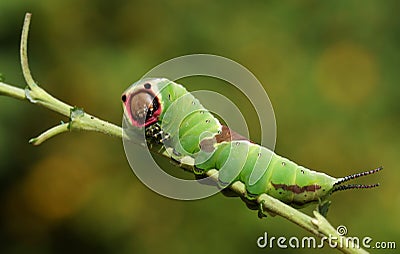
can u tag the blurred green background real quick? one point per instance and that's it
(329, 67)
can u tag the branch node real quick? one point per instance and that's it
(28, 96)
(76, 112)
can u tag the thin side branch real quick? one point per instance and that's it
(79, 120)
(49, 134)
(24, 52)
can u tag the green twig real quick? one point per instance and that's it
(79, 120)
(63, 127)
(23, 51)
(12, 91)
(37, 95)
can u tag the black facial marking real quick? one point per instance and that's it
(147, 85)
(123, 98)
(151, 111)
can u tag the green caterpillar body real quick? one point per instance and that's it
(193, 136)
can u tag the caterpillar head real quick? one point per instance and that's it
(142, 106)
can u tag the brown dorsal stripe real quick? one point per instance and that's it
(226, 134)
(297, 189)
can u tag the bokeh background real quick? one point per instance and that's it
(330, 69)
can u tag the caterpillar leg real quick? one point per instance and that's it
(262, 213)
(199, 172)
(323, 207)
(250, 202)
(154, 133)
(253, 205)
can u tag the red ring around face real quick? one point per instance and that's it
(128, 107)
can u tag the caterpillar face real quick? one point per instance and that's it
(141, 104)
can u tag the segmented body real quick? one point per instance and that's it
(192, 135)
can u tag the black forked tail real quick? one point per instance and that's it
(338, 187)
